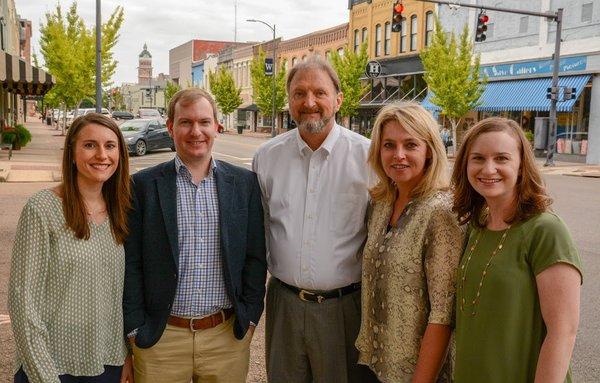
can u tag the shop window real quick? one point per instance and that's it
(587, 10)
(429, 24)
(378, 40)
(413, 33)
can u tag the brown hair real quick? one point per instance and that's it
(115, 191)
(188, 96)
(419, 123)
(314, 62)
(532, 198)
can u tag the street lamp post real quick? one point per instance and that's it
(273, 115)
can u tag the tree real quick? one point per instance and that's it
(170, 90)
(350, 67)
(452, 74)
(262, 85)
(227, 95)
(69, 51)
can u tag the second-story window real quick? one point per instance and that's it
(294, 61)
(413, 33)
(387, 35)
(356, 42)
(378, 40)
(403, 34)
(340, 51)
(523, 24)
(365, 36)
(429, 24)
(587, 10)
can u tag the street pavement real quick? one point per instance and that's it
(577, 201)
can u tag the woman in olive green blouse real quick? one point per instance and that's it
(519, 277)
(67, 273)
(412, 251)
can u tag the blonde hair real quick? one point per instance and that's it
(419, 123)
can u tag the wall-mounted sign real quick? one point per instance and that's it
(373, 69)
(567, 64)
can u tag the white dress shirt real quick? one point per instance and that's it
(315, 205)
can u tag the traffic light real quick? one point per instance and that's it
(568, 93)
(148, 92)
(397, 16)
(552, 93)
(482, 20)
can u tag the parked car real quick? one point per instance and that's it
(122, 115)
(149, 113)
(142, 135)
(83, 111)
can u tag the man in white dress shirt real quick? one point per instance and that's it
(314, 182)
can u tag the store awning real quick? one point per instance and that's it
(249, 107)
(523, 95)
(17, 76)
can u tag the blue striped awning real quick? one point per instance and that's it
(523, 95)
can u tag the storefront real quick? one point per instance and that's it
(17, 80)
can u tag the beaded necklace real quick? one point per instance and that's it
(465, 268)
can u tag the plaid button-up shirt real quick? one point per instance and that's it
(201, 285)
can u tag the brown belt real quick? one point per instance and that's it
(195, 324)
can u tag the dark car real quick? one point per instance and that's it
(142, 135)
(122, 115)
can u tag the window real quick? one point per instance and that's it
(365, 36)
(413, 33)
(387, 38)
(378, 40)
(403, 33)
(586, 12)
(356, 42)
(304, 58)
(328, 55)
(428, 28)
(340, 51)
(294, 61)
(524, 24)
(490, 31)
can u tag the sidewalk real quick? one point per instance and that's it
(40, 160)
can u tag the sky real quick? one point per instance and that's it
(165, 24)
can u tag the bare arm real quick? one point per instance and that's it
(559, 289)
(432, 354)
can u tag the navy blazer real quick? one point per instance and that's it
(152, 248)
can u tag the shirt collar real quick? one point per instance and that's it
(327, 145)
(180, 167)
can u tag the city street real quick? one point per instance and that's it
(576, 199)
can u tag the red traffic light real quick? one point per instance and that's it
(483, 18)
(398, 8)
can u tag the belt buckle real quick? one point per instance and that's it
(192, 329)
(302, 293)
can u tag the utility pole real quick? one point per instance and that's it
(553, 16)
(98, 58)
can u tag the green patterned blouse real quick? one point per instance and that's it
(65, 295)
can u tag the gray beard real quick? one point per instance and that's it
(313, 127)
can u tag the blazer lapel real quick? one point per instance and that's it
(167, 195)
(225, 189)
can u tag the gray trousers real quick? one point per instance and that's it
(312, 342)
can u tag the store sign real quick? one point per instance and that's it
(373, 69)
(567, 64)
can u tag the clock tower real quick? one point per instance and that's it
(145, 67)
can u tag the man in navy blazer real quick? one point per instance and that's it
(195, 257)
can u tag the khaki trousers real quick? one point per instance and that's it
(209, 356)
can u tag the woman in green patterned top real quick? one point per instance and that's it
(67, 273)
(519, 278)
(412, 251)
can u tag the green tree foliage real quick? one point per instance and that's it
(69, 51)
(452, 74)
(350, 67)
(222, 86)
(170, 90)
(262, 85)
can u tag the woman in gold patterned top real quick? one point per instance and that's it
(412, 251)
(68, 264)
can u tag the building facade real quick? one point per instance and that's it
(516, 58)
(183, 56)
(394, 54)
